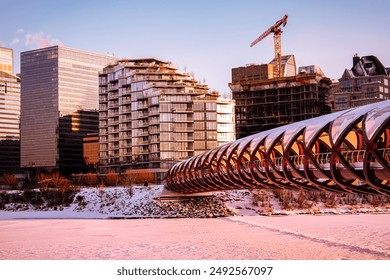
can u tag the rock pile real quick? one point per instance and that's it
(143, 202)
(201, 207)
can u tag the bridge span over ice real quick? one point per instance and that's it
(344, 151)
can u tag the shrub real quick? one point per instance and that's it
(10, 180)
(44, 181)
(331, 200)
(112, 179)
(60, 182)
(260, 197)
(303, 199)
(286, 198)
(91, 179)
(127, 178)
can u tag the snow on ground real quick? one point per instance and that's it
(143, 202)
(121, 202)
(249, 226)
(299, 237)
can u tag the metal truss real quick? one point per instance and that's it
(344, 151)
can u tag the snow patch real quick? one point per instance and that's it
(143, 202)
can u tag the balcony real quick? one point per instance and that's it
(189, 139)
(113, 121)
(113, 87)
(113, 114)
(125, 127)
(141, 143)
(113, 95)
(182, 110)
(126, 110)
(112, 138)
(125, 145)
(183, 129)
(138, 133)
(142, 124)
(186, 149)
(126, 135)
(126, 118)
(126, 101)
(142, 106)
(113, 146)
(154, 121)
(113, 130)
(182, 120)
(103, 116)
(154, 112)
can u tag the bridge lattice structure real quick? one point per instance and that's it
(343, 151)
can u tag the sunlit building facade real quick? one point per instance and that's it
(368, 81)
(9, 122)
(59, 105)
(91, 148)
(6, 59)
(152, 116)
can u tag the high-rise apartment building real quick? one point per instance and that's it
(368, 81)
(264, 102)
(152, 115)
(214, 122)
(59, 105)
(226, 121)
(6, 59)
(9, 122)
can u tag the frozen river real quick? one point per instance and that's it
(334, 237)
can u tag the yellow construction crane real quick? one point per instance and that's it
(277, 30)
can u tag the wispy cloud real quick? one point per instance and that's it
(20, 31)
(41, 40)
(15, 41)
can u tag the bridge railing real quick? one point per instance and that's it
(323, 159)
(353, 156)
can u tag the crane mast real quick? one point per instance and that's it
(277, 30)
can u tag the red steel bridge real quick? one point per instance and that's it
(343, 151)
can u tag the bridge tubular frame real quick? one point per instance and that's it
(336, 152)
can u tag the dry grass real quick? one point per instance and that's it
(112, 179)
(9, 180)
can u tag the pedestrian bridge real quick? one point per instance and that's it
(344, 151)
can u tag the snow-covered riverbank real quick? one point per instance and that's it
(145, 202)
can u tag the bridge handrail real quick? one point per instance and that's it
(352, 156)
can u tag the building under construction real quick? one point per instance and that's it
(274, 94)
(264, 102)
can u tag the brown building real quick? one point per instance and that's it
(366, 82)
(91, 149)
(264, 102)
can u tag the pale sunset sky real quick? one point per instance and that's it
(204, 37)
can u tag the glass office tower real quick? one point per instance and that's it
(59, 106)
